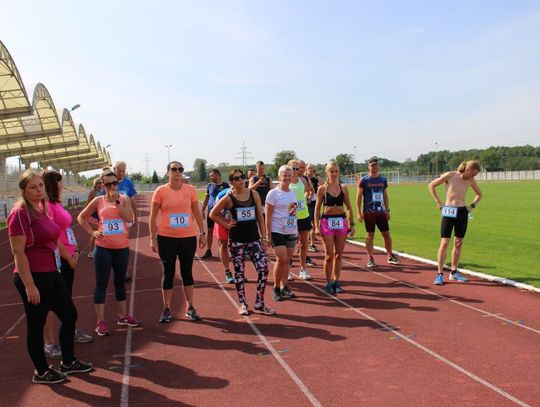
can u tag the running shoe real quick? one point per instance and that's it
(101, 329)
(207, 254)
(81, 337)
(263, 309)
(313, 249)
(304, 274)
(393, 259)
(287, 294)
(290, 277)
(50, 376)
(337, 287)
(192, 315)
(330, 287)
(371, 263)
(52, 351)
(457, 276)
(439, 279)
(128, 320)
(229, 279)
(276, 294)
(76, 366)
(243, 310)
(309, 261)
(90, 255)
(165, 316)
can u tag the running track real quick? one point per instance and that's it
(392, 339)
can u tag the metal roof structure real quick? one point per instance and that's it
(43, 122)
(13, 98)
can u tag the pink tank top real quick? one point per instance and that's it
(115, 231)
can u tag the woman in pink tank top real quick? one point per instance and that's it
(111, 249)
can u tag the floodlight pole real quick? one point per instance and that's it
(354, 160)
(436, 160)
(168, 147)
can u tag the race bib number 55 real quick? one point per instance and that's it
(245, 214)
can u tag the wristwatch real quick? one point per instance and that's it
(473, 205)
(202, 234)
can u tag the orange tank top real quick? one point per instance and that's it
(115, 231)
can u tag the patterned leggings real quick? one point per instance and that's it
(258, 257)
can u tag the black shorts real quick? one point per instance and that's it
(458, 224)
(209, 223)
(379, 219)
(279, 239)
(304, 224)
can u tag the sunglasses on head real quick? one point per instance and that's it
(111, 184)
(238, 177)
(176, 169)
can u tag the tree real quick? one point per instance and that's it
(199, 170)
(283, 157)
(136, 176)
(345, 163)
(155, 178)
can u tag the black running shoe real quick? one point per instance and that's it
(207, 255)
(309, 261)
(276, 294)
(286, 293)
(76, 366)
(165, 316)
(49, 377)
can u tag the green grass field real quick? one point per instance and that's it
(503, 238)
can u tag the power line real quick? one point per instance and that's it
(244, 155)
(147, 160)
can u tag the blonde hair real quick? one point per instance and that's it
(24, 180)
(475, 165)
(282, 170)
(292, 162)
(329, 165)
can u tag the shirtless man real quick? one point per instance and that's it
(455, 213)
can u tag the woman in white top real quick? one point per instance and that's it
(281, 223)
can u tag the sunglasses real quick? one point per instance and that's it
(238, 177)
(176, 169)
(111, 184)
(295, 168)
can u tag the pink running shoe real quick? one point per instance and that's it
(128, 320)
(101, 329)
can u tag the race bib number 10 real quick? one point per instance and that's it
(179, 220)
(449, 212)
(245, 214)
(113, 227)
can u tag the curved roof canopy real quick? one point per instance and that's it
(83, 147)
(60, 142)
(43, 122)
(13, 98)
(99, 159)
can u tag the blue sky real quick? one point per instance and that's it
(316, 77)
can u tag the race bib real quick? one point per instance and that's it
(449, 212)
(71, 237)
(179, 220)
(335, 223)
(57, 259)
(378, 197)
(300, 205)
(290, 223)
(245, 214)
(113, 227)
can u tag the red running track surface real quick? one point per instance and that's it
(392, 339)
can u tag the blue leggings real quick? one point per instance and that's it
(104, 259)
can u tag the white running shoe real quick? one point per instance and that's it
(304, 275)
(290, 277)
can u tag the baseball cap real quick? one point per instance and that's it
(373, 159)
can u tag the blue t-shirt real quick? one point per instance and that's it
(213, 190)
(226, 213)
(373, 193)
(125, 187)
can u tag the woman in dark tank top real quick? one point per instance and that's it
(244, 239)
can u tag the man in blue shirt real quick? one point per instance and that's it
(212, 190)
(376, 212)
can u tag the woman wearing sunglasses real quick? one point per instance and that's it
(333, 226)
(244, 239)
(176, 236)
(112, 249)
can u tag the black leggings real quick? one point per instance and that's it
(54, 296)
(169, 248)
(68, 274)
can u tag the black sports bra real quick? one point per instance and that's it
(330, 200)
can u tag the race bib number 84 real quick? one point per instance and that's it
(335, 223)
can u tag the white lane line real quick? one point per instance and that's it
(311, 397)
(424, 349)
(7, 266)
(12, 328)
(485, 313)
(124, 395)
